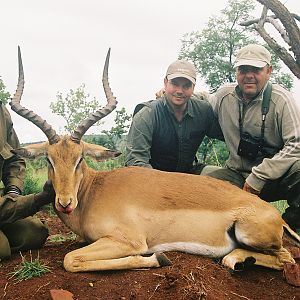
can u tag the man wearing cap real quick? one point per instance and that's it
(166, 134)
(264, 144)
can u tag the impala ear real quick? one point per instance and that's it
(31, 151)
(99, 153)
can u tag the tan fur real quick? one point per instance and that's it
(128, 212)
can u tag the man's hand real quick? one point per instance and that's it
(47, 195)
(250, 189)
(160, 93)
(13, 195)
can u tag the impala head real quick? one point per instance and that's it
(65, 154)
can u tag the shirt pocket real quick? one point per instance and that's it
(6, 151)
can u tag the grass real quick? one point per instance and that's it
(34, 180)
(29, 269)
(59, 238)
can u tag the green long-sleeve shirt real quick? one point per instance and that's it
(12, 167)
(156, 139)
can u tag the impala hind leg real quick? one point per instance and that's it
(240, 259)
(108, 254)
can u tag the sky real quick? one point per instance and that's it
(64, 44)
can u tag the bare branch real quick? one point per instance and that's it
(288, 22)
(280, 51)
(289, 32)
(251, 22)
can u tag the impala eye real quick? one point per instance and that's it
(79, 162)
(49, 163)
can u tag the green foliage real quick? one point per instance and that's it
(74, 107)
(38, 163)
(213, 49)
(278, 76)
(29, 269)
(116, 133)
(49, 209)
(4, 96)
(212, 152)
(96, 139)
(60, 238)
(106, 165)
(281, 205)
(34, 180)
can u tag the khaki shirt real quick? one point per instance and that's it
(282, 131)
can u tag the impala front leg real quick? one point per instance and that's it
(109, 254)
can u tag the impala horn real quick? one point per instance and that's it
(101, 113)
(26, 113)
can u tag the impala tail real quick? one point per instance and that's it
(292, 235)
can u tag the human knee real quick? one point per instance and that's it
(36, 233)
(29, 233)
(226, 174)
(5, 251)
(209, 169)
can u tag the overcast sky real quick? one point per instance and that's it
(64, 44)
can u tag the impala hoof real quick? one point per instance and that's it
(163, 259)
(246, 264)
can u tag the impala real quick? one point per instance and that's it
(130, 216)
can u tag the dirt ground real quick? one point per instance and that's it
(189, 277)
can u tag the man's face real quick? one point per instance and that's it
(251, 79)
(178, 91)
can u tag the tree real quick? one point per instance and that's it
(4, 96)
(116, 133)
(74, 107)
(285, 23)
(213, 49)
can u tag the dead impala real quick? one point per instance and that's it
(129, 213)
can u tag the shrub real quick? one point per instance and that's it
(29, 269)
(33, 183)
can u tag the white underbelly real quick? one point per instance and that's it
(195, 248)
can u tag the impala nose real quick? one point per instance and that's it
(64, 205)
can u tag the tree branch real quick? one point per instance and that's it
(289, 32)
(288, 22)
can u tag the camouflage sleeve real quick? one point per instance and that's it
(13, 209)
(13, 170)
